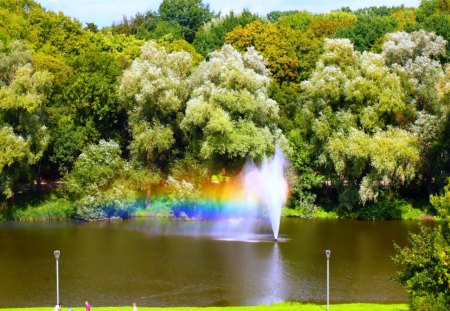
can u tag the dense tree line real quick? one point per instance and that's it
(359, 101)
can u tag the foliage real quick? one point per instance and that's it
(23, 94)
(302, 197)
(423, 268)
(413, 56)
(190, 14)
(326, 25)
(365, 105)
(442, 203)
(291, 53)
(229, 111)
(388, 206)
(296, 20)
(368, 30)
(360, 123)
(211, 36)
(154, 90)
(58, 209)
(97, 183)
(315, 213)
(433, 15)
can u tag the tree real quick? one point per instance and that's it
(23, 94)
(433, 15)
(229, 112)
(296, 20)
(359, 119)
(291, 53)
(368, 30)
(412, 56)
(155, 90)
(326, 25)
(190, 14)
(211, 36)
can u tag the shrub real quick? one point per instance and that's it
(424, 266)
(389, 206)
(98, 184)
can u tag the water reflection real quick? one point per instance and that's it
(275, 279)
(231, 229)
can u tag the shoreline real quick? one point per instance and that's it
(275, 307)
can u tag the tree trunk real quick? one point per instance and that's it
(38, 181)
(429, 184)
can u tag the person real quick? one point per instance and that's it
(88, 306)
(134, 307)
(57, 307)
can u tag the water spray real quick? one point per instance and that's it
(268, 185)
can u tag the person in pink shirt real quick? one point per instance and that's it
(88, 306)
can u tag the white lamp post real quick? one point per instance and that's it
(328, 253)
(57, 253)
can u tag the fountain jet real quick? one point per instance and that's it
(267, 184)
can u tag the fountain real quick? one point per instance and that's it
(268, 186)
(234, 208)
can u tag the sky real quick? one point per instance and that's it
(105, 12)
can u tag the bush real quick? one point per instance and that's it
(389, 206)
(424, 267)
(98, 183)
(116, 202)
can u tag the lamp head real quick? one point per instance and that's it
(328, 253)
(57, 253)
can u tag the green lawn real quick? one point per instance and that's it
(277, 307)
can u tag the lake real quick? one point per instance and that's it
(163, 262)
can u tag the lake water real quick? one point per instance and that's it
(163, 262)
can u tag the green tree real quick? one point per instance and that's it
(434, 15)
(296, 20)
(86, 108)
(190, 14)
(412, 56)
(23, 95)
(155, 90)
(211, 36)
(229, 112)
(368, 30)
(358, 119)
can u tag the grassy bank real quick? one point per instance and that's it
(54, 209)
(277, 307)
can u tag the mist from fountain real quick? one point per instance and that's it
(237, 208)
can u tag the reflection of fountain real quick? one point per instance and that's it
(274, 278)
(268, 186)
